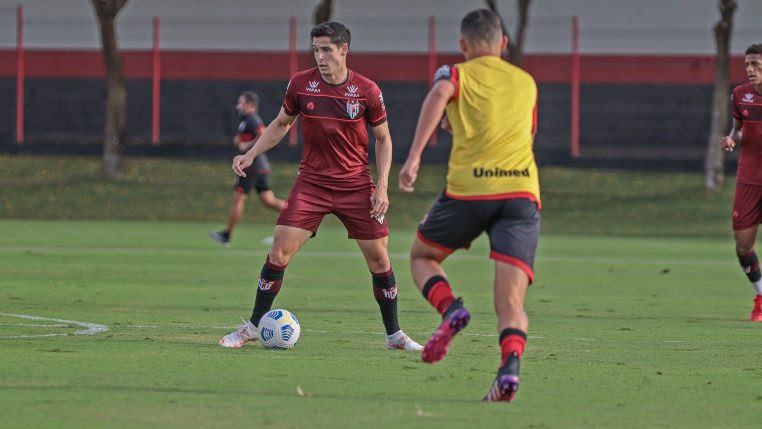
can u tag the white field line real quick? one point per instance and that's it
(312, 331)
(35, 325)
(355, 254)
(90, 328)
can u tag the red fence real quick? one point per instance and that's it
(159, 63)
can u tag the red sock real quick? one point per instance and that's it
(512, 340)
(439, 294)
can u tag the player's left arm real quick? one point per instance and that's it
(380, 197)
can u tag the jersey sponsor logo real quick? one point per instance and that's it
(313, 86)
(499, 172)
(353, 108)
(352, 91)
(265, 285)
(390, 293)
(381, 99)
(748, 97)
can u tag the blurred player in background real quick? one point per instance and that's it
(257, 175)
(337, 105)
(492, 186)
(747, 204)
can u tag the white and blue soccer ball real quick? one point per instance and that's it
(279, 329)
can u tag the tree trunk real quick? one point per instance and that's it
(515, 46)
(323, 11)
(714, 161)
(492, 5)
(116, 94)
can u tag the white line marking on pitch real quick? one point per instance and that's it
(90, 328)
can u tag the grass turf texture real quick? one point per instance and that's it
(625, 332)
(574, 201)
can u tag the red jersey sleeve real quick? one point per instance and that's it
(375, 112)
(291, 102)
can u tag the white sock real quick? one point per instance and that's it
(758, 286)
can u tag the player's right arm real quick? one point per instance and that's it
(431, 113)
(730, 141)
(271, 136)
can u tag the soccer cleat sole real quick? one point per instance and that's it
(503, 389)
(439, 343)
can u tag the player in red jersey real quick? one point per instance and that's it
(747, 204)
(336, 105)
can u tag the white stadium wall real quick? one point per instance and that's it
(610, 26)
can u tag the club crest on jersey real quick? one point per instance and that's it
(748, 97)
(353, 108)
(313, 86)
(352, 91)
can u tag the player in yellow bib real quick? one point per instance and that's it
(492, 187)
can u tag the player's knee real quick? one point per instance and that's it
(279, 256)
(743, 249)
(423, 255)
(379, 264)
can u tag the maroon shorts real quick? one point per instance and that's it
(307, 204)
(747, 206)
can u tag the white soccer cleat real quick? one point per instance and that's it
(400, 341)
(245, 333)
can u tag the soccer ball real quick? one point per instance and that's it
(279, 329)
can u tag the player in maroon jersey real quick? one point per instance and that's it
(747, 204)
(336, 105)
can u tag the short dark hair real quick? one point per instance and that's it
(250, 97)
(482, 25)
(337, 31)
(754, 49)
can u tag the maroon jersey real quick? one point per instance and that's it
(334, 126)
(747, 108)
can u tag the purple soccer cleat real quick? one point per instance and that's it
(456, 318)
(507, 381)
(503, 389)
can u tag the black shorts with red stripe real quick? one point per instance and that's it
(257, 176)
(513, 227)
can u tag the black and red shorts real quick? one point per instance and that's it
(747, 206)
(257, 176)
(513, 227)
(308, 203)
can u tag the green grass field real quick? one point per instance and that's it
(637, 318)
(625, 332)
